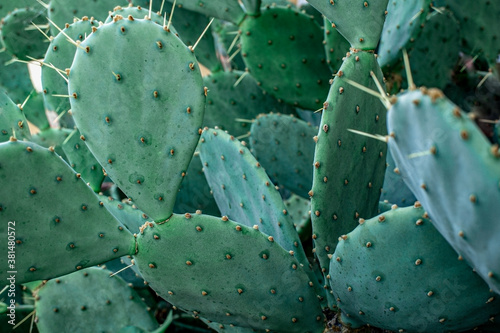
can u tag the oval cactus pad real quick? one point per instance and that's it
(138, 100)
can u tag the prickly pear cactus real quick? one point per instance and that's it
(246, 194)
(91, 302)
(301, 79)
(44, 201)
(405, 19)
(439, 294)
(429, 138)
(19, 35)
(133, 127)
(348, 168)
(211, 279)
(434, 54)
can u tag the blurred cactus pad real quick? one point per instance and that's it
(240, 166)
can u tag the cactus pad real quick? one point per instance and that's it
(454, 171)
(292, 69)
(348, 168)
(435, 52)
(245, 193)
(210, 276)
(405, 19)
(140, 126)
(20, 38)
(396, 272)
(60, 225)
(90, 301)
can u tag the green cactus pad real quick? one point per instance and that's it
(125, 212)
(359, 21)
(14, 78)
(52, 137)
(336, 46)
(12, 120)
(228, 10)
(60, 55)
(210, 276)
(82, 161)
(284, 146)
(245, 193)
(231, 107)
(402, 27)
(436, 51)
(90, 301)
(396, 272)
(454, 171)
(142, 127)
(20, 38)
(479, 26)
(59, 224)
(194, 193)
(64, 11)
(348, 168)
(293, 67)
(243, 190)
